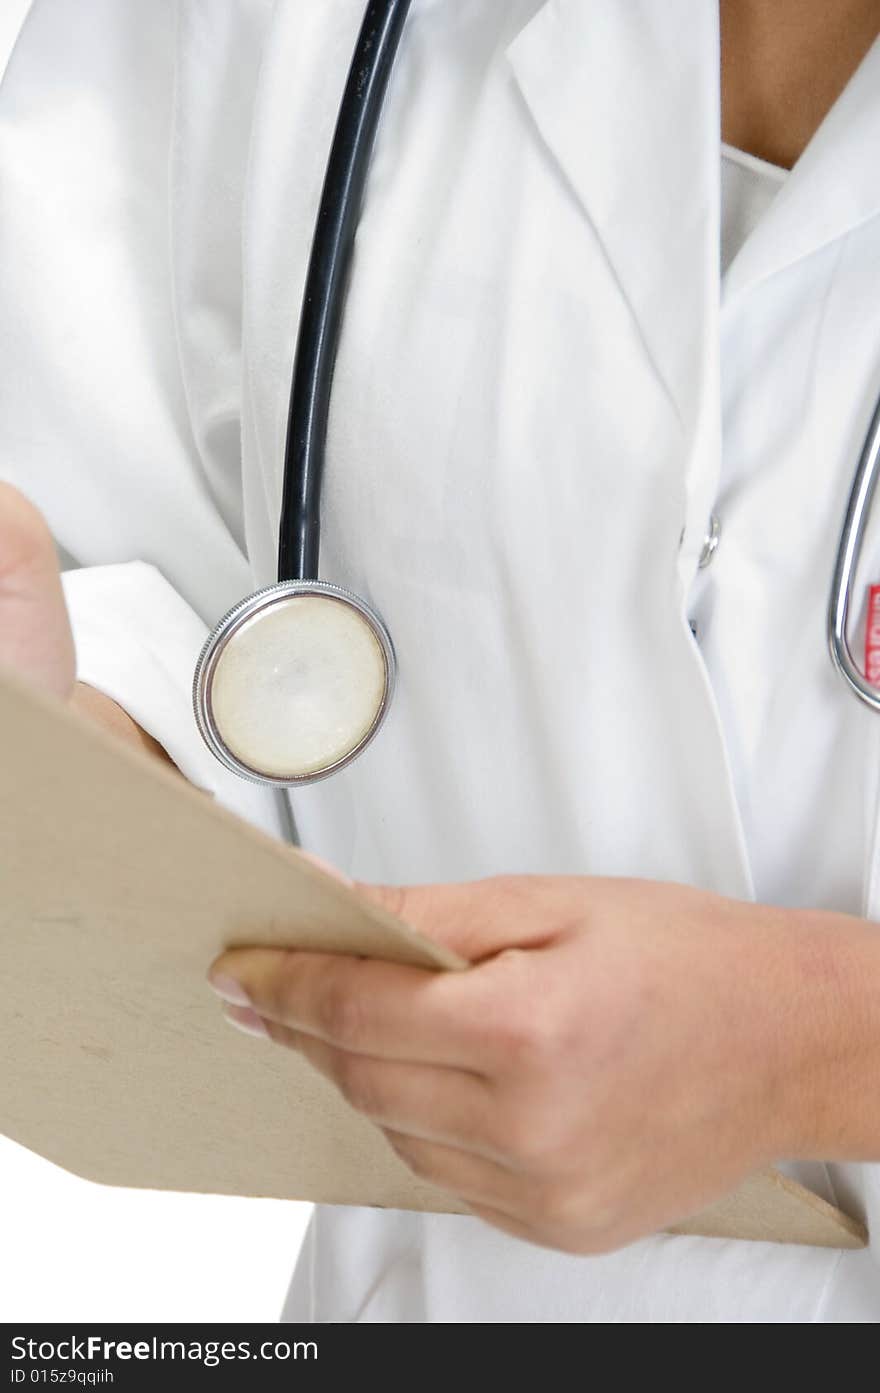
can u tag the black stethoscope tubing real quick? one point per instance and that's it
(326, 282)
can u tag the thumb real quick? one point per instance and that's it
(35, 637)
(476, 919)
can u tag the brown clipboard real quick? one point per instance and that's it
(120, 884)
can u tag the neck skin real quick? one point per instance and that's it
(784, 63)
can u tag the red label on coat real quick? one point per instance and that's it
(872, 636)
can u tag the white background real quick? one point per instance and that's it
(72, 1251)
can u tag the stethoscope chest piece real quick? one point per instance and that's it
(294, 682)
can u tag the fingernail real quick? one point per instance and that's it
(229, 989)
(243, 1018)
(327, 868)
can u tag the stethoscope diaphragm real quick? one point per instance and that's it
(294, 682)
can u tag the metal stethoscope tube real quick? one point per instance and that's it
(848, 552)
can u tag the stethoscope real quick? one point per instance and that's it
(295, 681)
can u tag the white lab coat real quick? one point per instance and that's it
(535, 372)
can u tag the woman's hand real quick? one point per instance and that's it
(35, 637)
(622, 1053)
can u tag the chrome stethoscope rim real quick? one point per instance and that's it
(848, 552)
(225, 630)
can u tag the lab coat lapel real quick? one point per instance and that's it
(833, 187)
(625, 96)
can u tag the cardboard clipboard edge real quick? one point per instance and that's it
(151, 768)
(834, 1227)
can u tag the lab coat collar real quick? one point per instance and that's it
(832, 189)
(625, 97)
